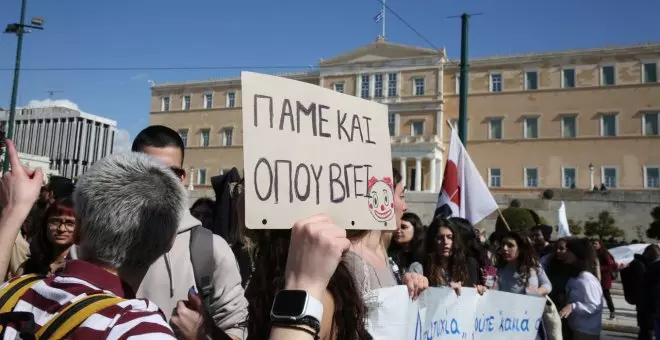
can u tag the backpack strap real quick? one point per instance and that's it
(202, 257)
(13, 292)
(10, 295)
(71, 316)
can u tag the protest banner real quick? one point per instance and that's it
(439, 313)
(310, 150)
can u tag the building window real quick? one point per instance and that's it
(569, 176)
(495, 178)
(183, 133)
(204, 140)
(339, 87)
(495, 128)
(392, 84)
(531, 80)
(208, 100)
(495, 82)
(607, 75)
(531, 125)
(186, 103)
(650, 72)
(201, 177)
(419, 86)
(568, 78)
(652, 177)
(531, 178)
(569, 126)
(391, 120)
(166, 104)
(417, 128)
(650, 123)
(364, 87)
(378, 85)
(609, 177)
(608, 125)
(231, 99)
(227, 136)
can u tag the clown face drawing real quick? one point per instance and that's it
(381, 202)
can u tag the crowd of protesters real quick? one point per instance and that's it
(124, 232)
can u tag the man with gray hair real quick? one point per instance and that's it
(127, 210)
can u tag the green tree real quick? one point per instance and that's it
(603, 227)
(575, 227)
(654, 228)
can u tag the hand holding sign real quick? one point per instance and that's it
(316, 248)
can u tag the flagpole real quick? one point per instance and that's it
(384, 9)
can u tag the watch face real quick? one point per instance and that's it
(289, 303)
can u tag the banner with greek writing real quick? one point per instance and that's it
(310, 150)
(439, 313)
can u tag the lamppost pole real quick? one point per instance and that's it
(19, 30)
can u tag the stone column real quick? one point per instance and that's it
(191, 179)
(403, 169)
(432, 163)
(372, 85)
(418, 174)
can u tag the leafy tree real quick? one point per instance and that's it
(575, 227)
(654, 229)
(604, 226)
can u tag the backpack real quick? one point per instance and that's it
(66, 319)
(201, 246)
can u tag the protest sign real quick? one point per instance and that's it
(439, 313)
(310, 150)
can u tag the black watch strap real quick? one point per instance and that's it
(304, 321)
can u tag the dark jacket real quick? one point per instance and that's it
(225, 223)
(631, 278)
(651, 290)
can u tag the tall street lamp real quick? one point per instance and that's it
(19, 29)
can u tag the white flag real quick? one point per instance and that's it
(564, 231)
(464, 193)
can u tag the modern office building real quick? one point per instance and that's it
(566, 119)
(71, 139)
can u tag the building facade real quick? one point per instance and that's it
(34, 162)
(72, 140)
(571, 119)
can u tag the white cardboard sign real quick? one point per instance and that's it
(439, 313)
(310, 150)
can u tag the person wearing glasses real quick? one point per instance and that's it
(52, 240)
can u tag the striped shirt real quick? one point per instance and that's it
(130, 319)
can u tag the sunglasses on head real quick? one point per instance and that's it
(178, 171)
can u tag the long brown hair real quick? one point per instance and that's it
(270, 256)
(527, 258)
(441, 269)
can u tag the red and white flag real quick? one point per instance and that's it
(464, 193)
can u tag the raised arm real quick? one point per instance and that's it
(19, 189)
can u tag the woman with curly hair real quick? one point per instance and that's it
(446, 263)
(407, 246)
(519, 270)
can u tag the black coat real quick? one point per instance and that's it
(225, 220)
(631, 278)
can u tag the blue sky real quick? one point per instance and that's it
(296, 33)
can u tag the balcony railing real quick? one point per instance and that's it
(433, 139)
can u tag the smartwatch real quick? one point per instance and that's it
(297, 307)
